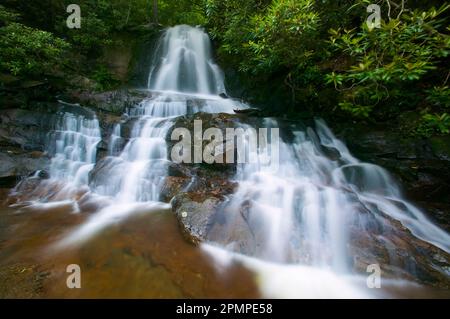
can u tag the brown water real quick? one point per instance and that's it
(142, 257)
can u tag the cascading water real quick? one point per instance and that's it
(184, 63)
(301, 217)
(301, 211)
(184, 80)
(74, 145)
(300, 214)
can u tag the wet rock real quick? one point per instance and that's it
(219, 121)
(172, 186)
(25, 129)
(100, 174)
(421, 166)
(178, 170)
(398, 252)
(249, 112)
(195, 215)
(43, 174)
(102, 150)
(22, 280)
(197, 196)
(16, 164)
(330, 152)
(115, 102)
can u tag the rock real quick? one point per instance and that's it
(25, 129)
(249, 112)
(100, 174)
(172, 186)
(398, 252)
(330, 152)
(178, 170)
(43, 174)
(14, 165)
(102, 150)
(421, 166)
(440, 146)
(195, 215)
(115, 102)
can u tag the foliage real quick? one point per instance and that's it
(7, 16)
(439, 96)
(270, 36)
(283, 36)
(181, 12)
(28, 51)
(434, 123)
(389, 61)
(36, 41)
(104, 79)
(313, 56)
(312, 47)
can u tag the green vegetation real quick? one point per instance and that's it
(318, 57)
(27, 51)
(388, 62)
(434, 124)
(35, 40)
(325, 55)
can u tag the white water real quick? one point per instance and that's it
(132, 178)
(300, 215)
(184, 63)
(300, 211)
(74, 146)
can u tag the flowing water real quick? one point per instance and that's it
(302, 214)
(184, 63)
(74, 145)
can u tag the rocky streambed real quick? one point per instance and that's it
(198, 193)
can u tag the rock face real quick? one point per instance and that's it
(15, 164)
(114, 102)
(25, 129)
(421, 165)
(198, 190)
(22, 143)
(24, 137)
(195, 215)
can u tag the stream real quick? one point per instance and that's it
(305, 224)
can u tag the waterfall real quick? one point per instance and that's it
(73, 145)
(184, 63)
(183, 80)
(301, 217)
(300, 214)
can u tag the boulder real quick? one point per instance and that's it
(195, 214)
(17, 164)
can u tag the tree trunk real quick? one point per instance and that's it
(155, 11)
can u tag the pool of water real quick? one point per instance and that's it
(143, 257)
(146, 256)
